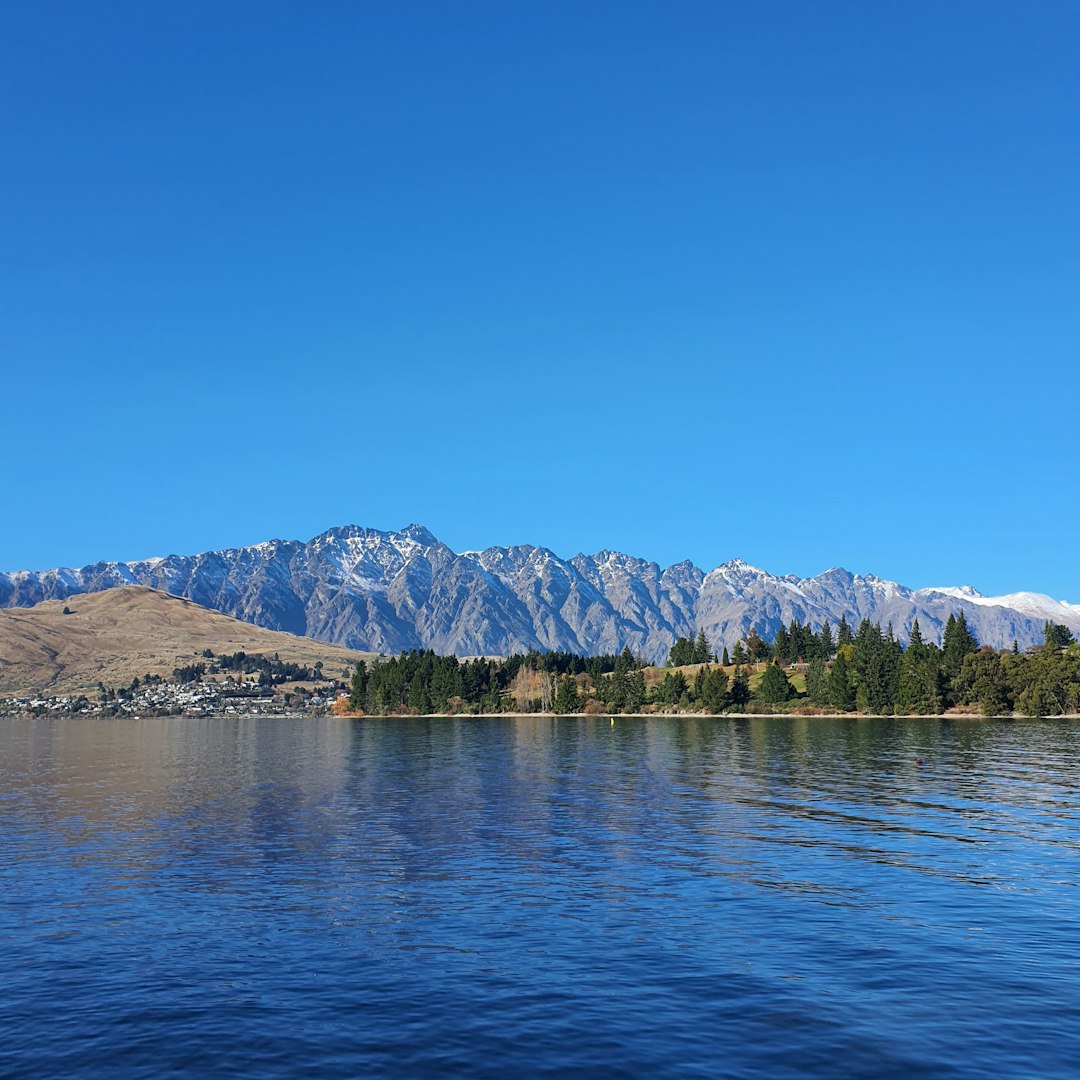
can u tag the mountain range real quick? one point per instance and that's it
(377, 591)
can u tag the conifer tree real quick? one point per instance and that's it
(957, 642)
(826, 642)
(358, 686)
(740, 687)
(918, 688)
(871, 667)
(567, 699)
(816, 682)
(682, 653)
(1061, 637)
(702, 653)
(726, 660)
(841, 692)
(756, 647)
(774, 686)
(844, 635)
(982, 682)
(782, 645)
(714, 690)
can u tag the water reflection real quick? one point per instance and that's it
(530, 894)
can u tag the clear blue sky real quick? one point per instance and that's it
(793, 282)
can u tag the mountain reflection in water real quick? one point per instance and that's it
(721, 897)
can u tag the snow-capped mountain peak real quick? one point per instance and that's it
(392, 590)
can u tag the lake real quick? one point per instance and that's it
(790, 897)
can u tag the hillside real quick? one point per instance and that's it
(114, 636)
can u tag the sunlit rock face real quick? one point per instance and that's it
(391, 591)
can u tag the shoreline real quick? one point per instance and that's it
(537, 715)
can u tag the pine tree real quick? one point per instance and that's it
(982, 681)
(702, 653)
(567, 699)
(738, 655)
(714, 690)
(841, 692)
(682, 653)
(726, 660)
(774, 686)
(826, 642)
(358, 686)
(740, 687)
(957, 642)
(871, 666)
(782, 645)
(756, 647)
(816, 682)
(674, 688)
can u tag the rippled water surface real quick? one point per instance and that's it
(521, 896)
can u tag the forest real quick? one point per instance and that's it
(864, 671)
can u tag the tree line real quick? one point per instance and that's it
(865, 670)
(868, 671)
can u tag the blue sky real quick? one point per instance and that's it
(798, 283)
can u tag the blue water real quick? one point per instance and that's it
(498, 897)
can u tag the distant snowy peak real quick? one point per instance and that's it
(1035, 604)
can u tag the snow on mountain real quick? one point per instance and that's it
(404, 589)
(1035, 604)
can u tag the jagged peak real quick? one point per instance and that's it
(834, 571)
(740, 566)
(420, 533)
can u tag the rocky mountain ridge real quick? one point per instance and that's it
(379, 591)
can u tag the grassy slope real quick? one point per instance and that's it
(655, 675)
(118, 634)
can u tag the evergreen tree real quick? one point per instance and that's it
(1059, 636)
(739, 694)
(841, 692)
(714, 690)
(843, 633)
(726, 660)
(418, 694)
(567, 699)
(825, 640)
(782, 645)
(682, 653)
(918, 686)
(756, 647)
(1049, 681)
(702, 653)
(982, 682)
(957, 642)
(871, 664)
(817, 682)
(738, 655)
(774, 686)
(674, 688)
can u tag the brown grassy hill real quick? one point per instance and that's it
(113, 636)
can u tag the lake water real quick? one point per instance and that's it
(493, 897)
